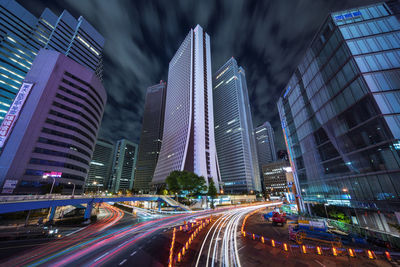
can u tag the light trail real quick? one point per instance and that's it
(113, 215)
(226, 228)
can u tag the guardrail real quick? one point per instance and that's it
(16, 198)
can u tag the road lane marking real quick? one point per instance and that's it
(76, 231)
(123, 244)
(133, 253)
(241, 248)
(122, 262)
(323, 265)
(102, 256)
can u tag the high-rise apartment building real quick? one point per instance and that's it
(151, 136)
(100, 166)
(340, 115)
(22, 35)
(234, 137)
(124, 164)
(188, 139)
(51, 128)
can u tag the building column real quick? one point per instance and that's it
(52, 213)
(88, 211)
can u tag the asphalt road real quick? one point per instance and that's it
(121, 239)
(116, 239)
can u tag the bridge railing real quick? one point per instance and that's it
(15, 198)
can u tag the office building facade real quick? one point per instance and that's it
(100, 166)
(234, 137)
(275, 177)
(124, 164)
(22, 35)
(340, 115)
(188, 138)
(51, 127)
(265, 143)
(151, 136)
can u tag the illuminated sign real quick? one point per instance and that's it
(348, 15)
(12, 114)
(52, 174)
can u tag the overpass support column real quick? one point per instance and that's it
(88, 211)
(52, 213)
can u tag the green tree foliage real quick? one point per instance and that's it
(179, 181)
(212, 192)
(334, 212)
(173, 183)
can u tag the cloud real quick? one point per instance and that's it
(267, 38)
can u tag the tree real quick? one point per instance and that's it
(212, 192)
(172, 181)
(179, 181)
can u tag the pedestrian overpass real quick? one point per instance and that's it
(9, 204)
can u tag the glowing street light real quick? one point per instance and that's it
(54, 181)
(73, 190)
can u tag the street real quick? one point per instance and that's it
(123, 239)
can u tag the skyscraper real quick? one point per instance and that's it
(100, 166)
(234, 137)
(340, 115)
(151, 136)
(188, 138)
(265, 143)
(124, 164)
(51, 127)
(22, 36)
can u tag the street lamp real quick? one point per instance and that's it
(73, 190)
(326, 212)
(97, 188)
(54, 181)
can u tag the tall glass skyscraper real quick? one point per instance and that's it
(188, 140)
(151, 136)
(265, 143)
(340, 115)
(22, 35)
(100, 166)
(124, 164)
(234, 137)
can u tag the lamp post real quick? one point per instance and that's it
(73, 190)
(54, 181)
(326, 212)
(97, 188)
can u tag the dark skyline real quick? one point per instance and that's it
(267, 38)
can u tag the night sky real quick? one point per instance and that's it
(267, 38)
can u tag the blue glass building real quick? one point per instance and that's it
(234, 136)
(22, 35)
(340, 114)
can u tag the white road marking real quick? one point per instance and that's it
(323, 265)
(76, 231)
(240, 248)
(122, 262)
(133, 253)
(123, 244)
(102, 256)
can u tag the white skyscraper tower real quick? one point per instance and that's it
(236, 147)
(188, 141)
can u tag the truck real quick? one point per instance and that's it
(278, 218)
